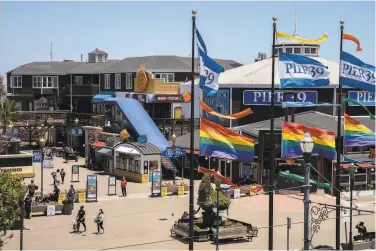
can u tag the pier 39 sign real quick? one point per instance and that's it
(263, 97)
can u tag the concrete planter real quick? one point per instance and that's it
(361, 193)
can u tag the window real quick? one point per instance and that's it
(306, 50)
(168, 77)
(128, 82)
(117, 81)
(16, 81)
(134, 166)
(78, 80)
(289, 50)
(37, 81)
(313, 50)
(100, 58)
(107, 81)
(297, 50)
(49, 81)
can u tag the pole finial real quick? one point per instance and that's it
(342, 22)
(274, 19)
(194, 12)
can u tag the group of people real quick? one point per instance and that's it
(81, 219)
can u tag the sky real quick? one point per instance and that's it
(231, 30)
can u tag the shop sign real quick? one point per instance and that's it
(173, 152)
(365, 98)
(165, 98)
(220, 103)
(36, 156)
(263, 97)
(76, 132)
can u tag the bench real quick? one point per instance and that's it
(42, 209)
(180, 231)
(251, 229)
(238, 233)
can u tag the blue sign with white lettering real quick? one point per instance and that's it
(36, 156)
(365, 98)
(173, 152)
(76, 132)
(15, 132)
(263, 97)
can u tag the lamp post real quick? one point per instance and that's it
(307, 145)
(352, 169)
(42, 143)
(217, 186)
(173, 139)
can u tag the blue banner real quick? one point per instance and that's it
(76, 132)
(220, 103)
(357, 74)
(263, 97)
(365, 98)
(297, 71)
(36, 156)
(173, 152)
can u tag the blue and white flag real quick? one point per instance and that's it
(209, 74)
(356, 74)
(296, 71)
(209, 69)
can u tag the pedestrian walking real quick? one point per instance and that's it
(71, 195)
(62, 174)
(28, 206)
(32, 188)
(81, 219)
(123, 185)
(99, 220)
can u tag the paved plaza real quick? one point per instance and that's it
(141, 222)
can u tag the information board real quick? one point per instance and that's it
(50, 210)
(92, 188)
(236, 193)
(36, 156)
(156, 183)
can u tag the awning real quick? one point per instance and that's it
(105, 151)
(101, 96)
(128, 150)
(98, 144)
(20, 171)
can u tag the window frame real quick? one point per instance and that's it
(313, 49)
(307, 50)
(18, 81)
(166, 78)
(35, 83)
(299, 49)
(128, 81)
(107, 79)
(80, 78)
(117, 81)
(49, 82)
(289, 48)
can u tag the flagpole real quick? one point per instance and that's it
(271, 174)
(191, 176)
(339, 148)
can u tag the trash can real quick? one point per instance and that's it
(225, 189)
(67, 208)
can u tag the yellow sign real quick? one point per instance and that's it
(62, 197)
(81, 197)
(180, 190)
(145, 178)
(177, 112)
(251, 189)
(164, 191)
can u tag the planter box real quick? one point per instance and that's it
(361, 193)
(42, 209)
(201, 235)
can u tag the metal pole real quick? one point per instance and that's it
(339, 148)
(22, 223)
(271, 176)
(347, 242)
(191, 171)
(288, 232)
(307, 160)
(41, 169)
(217, 225)
(351, 212)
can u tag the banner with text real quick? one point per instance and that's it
(365, 98)
(263, 97)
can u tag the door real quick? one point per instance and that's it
(225, 168)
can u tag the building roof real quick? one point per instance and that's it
(145, 148)
(184, 140)
(259, 73)
(90, 68)
(52, 68)
(96, 52)
(163, 64)
(310, 118)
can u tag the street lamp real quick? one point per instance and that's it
(42, 143)
(352, 169)
(173, 139)
(307, 145)
(217, 186)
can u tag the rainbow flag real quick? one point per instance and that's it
(293, 133)
(220, 142)
(357, 134)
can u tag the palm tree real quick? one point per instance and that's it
(8, 113)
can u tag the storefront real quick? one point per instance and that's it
(135, 161)
(20, 164)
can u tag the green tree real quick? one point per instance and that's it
(8, 110)
(11, 191)
(207, 196)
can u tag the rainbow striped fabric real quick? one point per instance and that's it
(220, 142)
(293, 133)
(357, 134)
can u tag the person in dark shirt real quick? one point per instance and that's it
(362, 230)
(56, 194)
(32, 187)
(81, 219)
(62, 174)
(28, 206)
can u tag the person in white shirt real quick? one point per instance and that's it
(99, 221)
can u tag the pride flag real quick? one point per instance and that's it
(357, 134)
(220, 142)
(293, 133)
